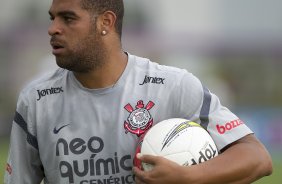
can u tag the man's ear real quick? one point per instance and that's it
(106, 22)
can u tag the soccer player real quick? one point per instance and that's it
(81, 123)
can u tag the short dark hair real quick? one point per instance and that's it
(100, 6)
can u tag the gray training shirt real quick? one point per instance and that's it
(65, 133)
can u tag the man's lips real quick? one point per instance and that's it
(57, 47)
(58, 51)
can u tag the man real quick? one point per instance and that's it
(81, 123)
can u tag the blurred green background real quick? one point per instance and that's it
(234, 47)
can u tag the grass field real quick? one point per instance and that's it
(3, 157)
(275, 178)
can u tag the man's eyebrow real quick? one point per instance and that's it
(64, 13)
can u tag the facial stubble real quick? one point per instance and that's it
(88, 55)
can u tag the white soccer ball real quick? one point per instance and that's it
(178, 140)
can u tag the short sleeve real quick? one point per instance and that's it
(24, 164)
(196, 103)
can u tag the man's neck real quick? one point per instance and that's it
(105, 76)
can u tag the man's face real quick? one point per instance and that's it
(74, 38)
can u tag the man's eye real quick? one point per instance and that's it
(68, 19)
(52, 18)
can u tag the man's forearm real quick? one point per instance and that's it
(243, 162)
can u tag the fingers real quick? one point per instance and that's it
(144, 177)
(140, 176)
(150, 159)
(138, 181)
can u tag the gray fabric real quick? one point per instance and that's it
(90, 136)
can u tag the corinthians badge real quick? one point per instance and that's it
(139, 119)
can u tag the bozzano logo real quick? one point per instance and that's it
(229, 126)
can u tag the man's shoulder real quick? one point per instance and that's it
(49, 79)
(143, 62)
(148, 66)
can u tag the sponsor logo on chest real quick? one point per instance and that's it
(51, 91)
(83, 161)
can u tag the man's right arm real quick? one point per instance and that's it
(24, 164)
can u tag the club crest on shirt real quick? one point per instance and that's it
(139, 119)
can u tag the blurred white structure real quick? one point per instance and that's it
(201, 24)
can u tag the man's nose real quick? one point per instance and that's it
(54, 28)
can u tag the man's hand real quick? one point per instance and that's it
(242, 162)
(164, 171)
